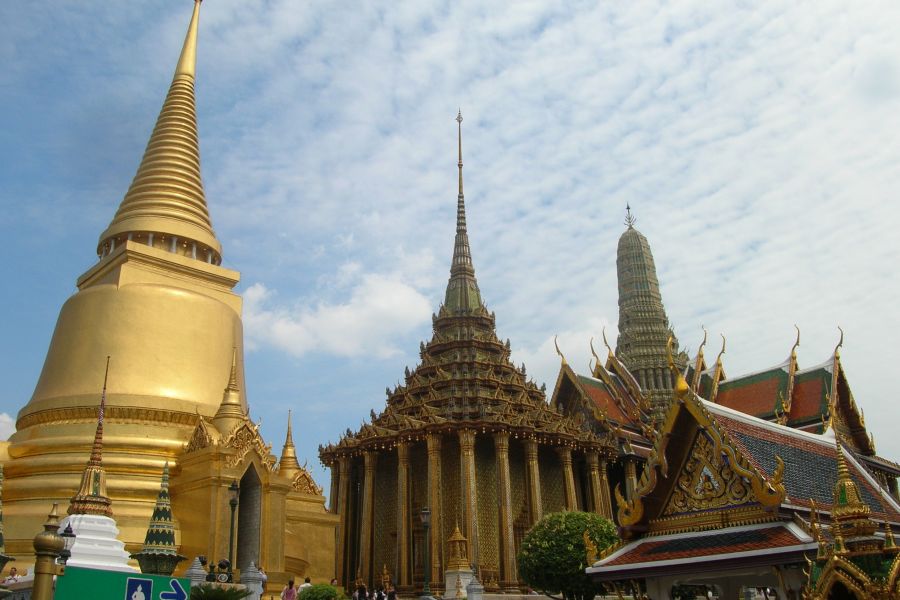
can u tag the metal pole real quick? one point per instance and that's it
(234, 489)
(426, 589)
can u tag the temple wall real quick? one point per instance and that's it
(553, 494)
(488, 506)
(384, 549)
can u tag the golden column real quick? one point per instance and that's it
(403, 579)
(343, 508)
(605, 501)
(434, 503)
(470, 499)
(565, 457)
(630, 477)
(534, 480)
(508, 577)
(600, 503)
(368, 507)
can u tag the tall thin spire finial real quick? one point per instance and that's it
(462, 289)
(630, 219)
(459, 120)
(97, 449)
(91, 497)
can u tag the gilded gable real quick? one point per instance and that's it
(706, 481)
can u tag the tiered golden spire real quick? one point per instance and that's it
(91, 498)
(463, 294)
(288, 466)
(166, 197)
(231, 412)
(850, 513)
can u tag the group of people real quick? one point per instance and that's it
(293, 593)
(361, 593)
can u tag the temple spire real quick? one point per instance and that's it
(165, 206)
(644, 328)
(462, 289)
(288, 465)
(158, 554)
(91, 498)
(231, 411)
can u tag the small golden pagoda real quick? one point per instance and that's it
(468, 436)
(159, 303)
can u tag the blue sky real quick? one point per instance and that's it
(756, 142)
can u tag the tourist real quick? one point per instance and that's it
(289, 592)
(333, 581)
(13, 576)
(263, 578)
(306, 583)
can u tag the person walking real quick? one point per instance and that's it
(289, 592)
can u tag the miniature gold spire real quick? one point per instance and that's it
(166, 197)
(462, 294)
(681, 386)
(288, 466)
(850, 513)
(91, 497)
(231, 412)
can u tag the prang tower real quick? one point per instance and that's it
(644, 328)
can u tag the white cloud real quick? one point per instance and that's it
(7, 426)
(378, 309)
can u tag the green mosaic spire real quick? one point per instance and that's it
(159, 554)
(643, 326)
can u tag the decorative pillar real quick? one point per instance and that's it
(368, 507)
(469, 497)
(508, 576)
(534, 480)
(434, 503)
(593, 473)
(404, 580)
(343, 509)
(630, 477)
(605, 500)
(565, 457)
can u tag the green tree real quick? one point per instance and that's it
(321, 591)
(212, 592)
(552, 557)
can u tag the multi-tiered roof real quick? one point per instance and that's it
(465, 375)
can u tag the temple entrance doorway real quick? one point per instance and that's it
(249, 510)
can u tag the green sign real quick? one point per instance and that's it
(79, 583)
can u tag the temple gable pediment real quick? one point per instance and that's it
(697, 477)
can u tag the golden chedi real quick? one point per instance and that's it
(161, 306)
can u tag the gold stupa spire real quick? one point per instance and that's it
(231, 412)
(288, 465)
(165, 205)
(91, 498)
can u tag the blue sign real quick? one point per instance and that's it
(177, 592)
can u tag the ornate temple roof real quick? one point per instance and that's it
(465, 377)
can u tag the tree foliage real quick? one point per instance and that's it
(212, 592)
(552, 557)
(321, 591)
